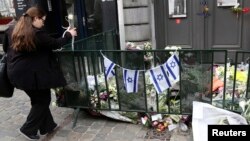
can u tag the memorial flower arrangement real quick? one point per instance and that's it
(161, 122)
(239, 87)
(144, 46)
(150, 120)
(104, 94)
(238, 10)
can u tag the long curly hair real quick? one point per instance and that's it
(23, 35)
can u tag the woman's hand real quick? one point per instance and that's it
(73, 32)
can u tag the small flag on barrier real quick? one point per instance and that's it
(173, 68)
(130, 78)
(109, 68)
(159, 78)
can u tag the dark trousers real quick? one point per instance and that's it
(39, 117)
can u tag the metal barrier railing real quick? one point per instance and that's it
(200, 69)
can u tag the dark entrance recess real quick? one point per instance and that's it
(56, 13)
(90, 16)
(101, 16)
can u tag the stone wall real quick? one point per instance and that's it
(137, 20)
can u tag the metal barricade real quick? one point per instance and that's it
(88, 88)
(205, 75)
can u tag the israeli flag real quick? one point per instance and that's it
(173, 68)
(159, 78)
(130, 78)
(109, 68)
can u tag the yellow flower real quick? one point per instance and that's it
(241, 76)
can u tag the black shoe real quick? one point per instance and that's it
(54, 129)
(29, 137)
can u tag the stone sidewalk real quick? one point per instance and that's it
(13, 112)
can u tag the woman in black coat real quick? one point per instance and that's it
(32, 67)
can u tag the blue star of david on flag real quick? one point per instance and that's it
(159, 77)
(130, 78)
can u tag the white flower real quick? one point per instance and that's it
(91, 82)
(175, 48)
(236, 5)
(242, 104)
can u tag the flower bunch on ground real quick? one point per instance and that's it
(162, 122)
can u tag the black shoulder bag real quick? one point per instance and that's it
(6, 88)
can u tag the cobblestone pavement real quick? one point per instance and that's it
(13, 112)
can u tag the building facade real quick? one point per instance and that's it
(192, 24)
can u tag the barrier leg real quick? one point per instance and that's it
(76, 112)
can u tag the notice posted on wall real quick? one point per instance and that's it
(227, 2)
(21, 6)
